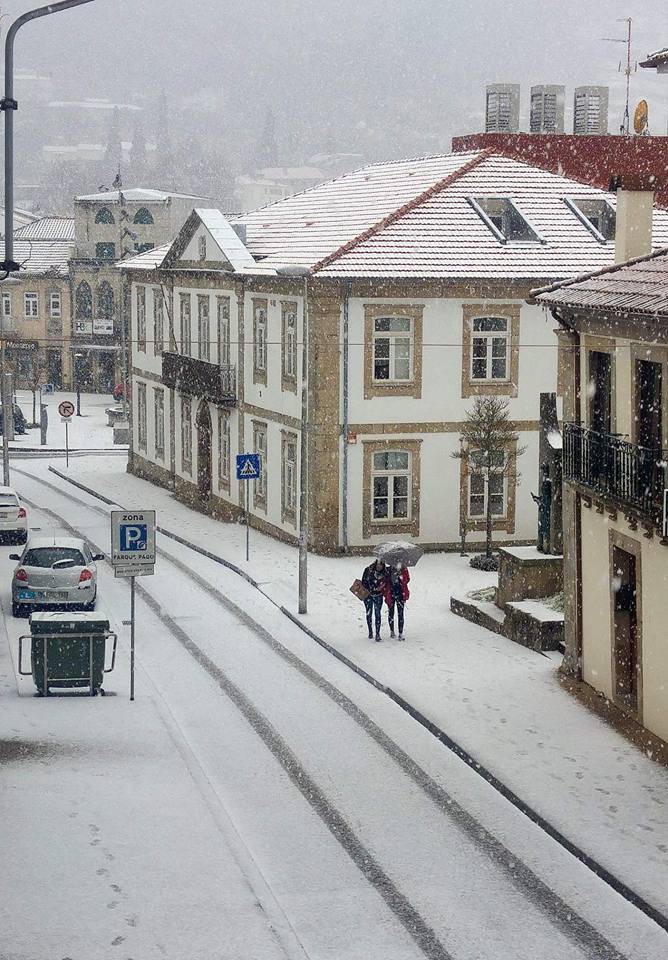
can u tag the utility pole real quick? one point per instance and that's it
(303, 464)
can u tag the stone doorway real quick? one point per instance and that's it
(203, 424)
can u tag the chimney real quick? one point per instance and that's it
(635, 204)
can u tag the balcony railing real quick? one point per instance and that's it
(625, 473)
(199, 378)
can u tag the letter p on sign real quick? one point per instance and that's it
(134, 537)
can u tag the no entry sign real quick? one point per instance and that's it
(66, 408)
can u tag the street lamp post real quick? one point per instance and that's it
(8, 105)
(303, 272)
(77, 374)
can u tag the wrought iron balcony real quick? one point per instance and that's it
(199, 378)
(630, 476)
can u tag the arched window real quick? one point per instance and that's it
(104, 216)
(105, 301)
(84, 302)
(143, 216)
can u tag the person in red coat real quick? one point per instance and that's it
(396, 595)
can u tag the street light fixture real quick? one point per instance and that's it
(8, 105)
(5, 393)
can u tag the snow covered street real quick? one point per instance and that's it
(259, 799)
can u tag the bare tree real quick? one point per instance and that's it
(489, 447)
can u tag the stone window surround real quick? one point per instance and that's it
(142, 413)
(223, 301)
(204, 320)
(289, 515)
(55, 299)
(288, 381)
(600, 345)
(259, 373)
(159, 449)
(186, 456)
(655, 354)
(624, 542)
(224, 481)
(158, 321)
(260, 499)
(505, 388)
(505, 523)
(185, 323)
(141, 318)
(371, 527)
(393, 388)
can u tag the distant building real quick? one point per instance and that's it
(47, 228)
(36, 313)
(107, 230)
(502, 108)
(657, 61)
(590, 111)
(21, 218)
(273, 183)
(547, 109)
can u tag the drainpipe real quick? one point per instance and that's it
(344, 505)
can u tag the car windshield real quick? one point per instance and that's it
(8, 500)
(47, 556)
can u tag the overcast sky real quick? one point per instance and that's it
(345, 62)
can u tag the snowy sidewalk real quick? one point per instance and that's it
(87, 432)
(108, 838)
(501, 702)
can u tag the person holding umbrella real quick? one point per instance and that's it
(396, 595)
(374, 579)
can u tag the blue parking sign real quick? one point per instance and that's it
(134, 537)
(249, 466)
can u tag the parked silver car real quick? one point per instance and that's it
(54, 571)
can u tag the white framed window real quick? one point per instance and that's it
(186, 329)
(480, 490)
(260, 340)
(223, 318)
(203, 337)
(159, 421)
(393, 349)
(141, 319)
(55, 305)
(6, 304)
(201, 247)
(141, 416)
(224, 449)
(391, 486)
(30, 305)
(186, 435)
(260, 446)
(489, 348)
(289, 477)
(158, 321)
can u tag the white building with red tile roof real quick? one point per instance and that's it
(413, 277)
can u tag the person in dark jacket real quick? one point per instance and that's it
(374, 579)
(396, 595)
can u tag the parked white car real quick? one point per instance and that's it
(13, 517)
(54, 571)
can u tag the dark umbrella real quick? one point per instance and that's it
(399, 551)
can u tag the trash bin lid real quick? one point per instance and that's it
(44, 621)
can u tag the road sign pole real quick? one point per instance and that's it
(132, 638)
(67, 443)
(247, 525)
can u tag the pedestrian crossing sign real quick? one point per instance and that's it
(248, 466)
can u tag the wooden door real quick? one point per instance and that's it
(625, 654)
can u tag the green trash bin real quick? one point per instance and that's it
(68, 650)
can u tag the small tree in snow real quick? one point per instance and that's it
(489, 447)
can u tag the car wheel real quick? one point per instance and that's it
(22, 536)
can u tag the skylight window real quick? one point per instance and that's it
(597, 215)
(505, 220)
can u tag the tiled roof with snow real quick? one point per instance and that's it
(638, 287)
(41, 256)
(412, 218)
(47, 228)
(137, 195)
(148, 260)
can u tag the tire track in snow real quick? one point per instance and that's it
(573, 926)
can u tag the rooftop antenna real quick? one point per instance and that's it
(625, 127)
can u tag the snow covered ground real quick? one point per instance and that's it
(87, 432)
(316, 813)
(501, 702)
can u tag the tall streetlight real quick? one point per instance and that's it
(8, 104)
(303, 272)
